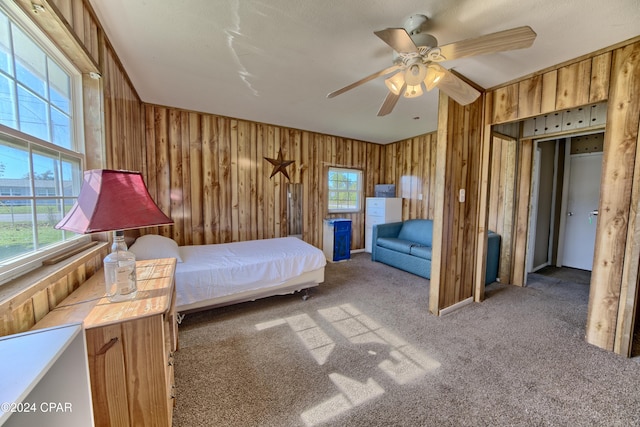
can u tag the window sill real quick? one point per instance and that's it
(16, 291)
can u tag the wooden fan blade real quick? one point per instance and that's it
(515, 38)
(390, 102)
(455, 87)
(398, 39)
(364, 80)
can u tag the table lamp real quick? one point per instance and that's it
(114, 200)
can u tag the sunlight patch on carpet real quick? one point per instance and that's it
(404, 364)
(352, 393)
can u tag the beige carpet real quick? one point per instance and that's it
(363, 351)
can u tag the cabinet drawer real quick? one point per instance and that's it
(375, 210)
(373, 220)
(375, 203)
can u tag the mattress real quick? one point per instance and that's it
(211, 272)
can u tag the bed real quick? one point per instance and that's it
(216, 275)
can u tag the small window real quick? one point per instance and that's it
(345, 190)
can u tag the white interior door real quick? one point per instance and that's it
(582, 210)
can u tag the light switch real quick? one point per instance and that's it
(461, 196)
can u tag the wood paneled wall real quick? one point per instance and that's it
(611, 75)
(209, 174)
(45, 288)
(582, 82)
(83, 23)
(123, 117)
(459, 153)
(411, 165)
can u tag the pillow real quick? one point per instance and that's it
(152, 246)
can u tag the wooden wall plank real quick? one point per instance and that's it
(209, 181)
(65, 8)
(57, 292)
(521, 222)
(40, 301)
(510, 150)
(163, 170)
(573, 85)
(529, 96)
(505, 104)
(549, 91)
(185, 185)
(600, 77)
(176, 182)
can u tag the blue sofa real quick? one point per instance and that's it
(407, 245)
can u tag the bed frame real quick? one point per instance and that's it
(303, 282)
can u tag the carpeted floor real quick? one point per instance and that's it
(363, 351)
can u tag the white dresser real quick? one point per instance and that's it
(380, 210)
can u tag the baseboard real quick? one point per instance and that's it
(456, 306)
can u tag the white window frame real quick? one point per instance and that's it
(358, 191)
(10, 269)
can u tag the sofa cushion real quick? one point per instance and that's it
(395, 244)
(417, 230)
(421, 251)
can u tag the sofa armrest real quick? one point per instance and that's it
(390, 229)
(493, 257)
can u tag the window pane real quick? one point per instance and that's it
(68, 204)
(59, 87)
(71, 177)
(31, 62)
(6, 56)
(61, 128)
(33, 114)
(14, 168)
(16, 229)
(7, 102)
(48, 213)
(46, 173)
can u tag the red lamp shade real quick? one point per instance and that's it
(112, 200)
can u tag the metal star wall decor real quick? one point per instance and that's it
(279, 165)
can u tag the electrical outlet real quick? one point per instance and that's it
(461, 195)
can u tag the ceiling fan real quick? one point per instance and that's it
(417, 56)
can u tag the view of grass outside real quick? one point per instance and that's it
(17, 231)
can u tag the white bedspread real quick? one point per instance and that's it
(212, 271)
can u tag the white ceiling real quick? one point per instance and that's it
(274, 61)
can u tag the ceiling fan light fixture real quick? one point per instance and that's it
(395, 83)
(415, 74)
(413, 91)
(433, 77)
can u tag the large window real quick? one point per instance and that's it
(345, 190)
(41, 147)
